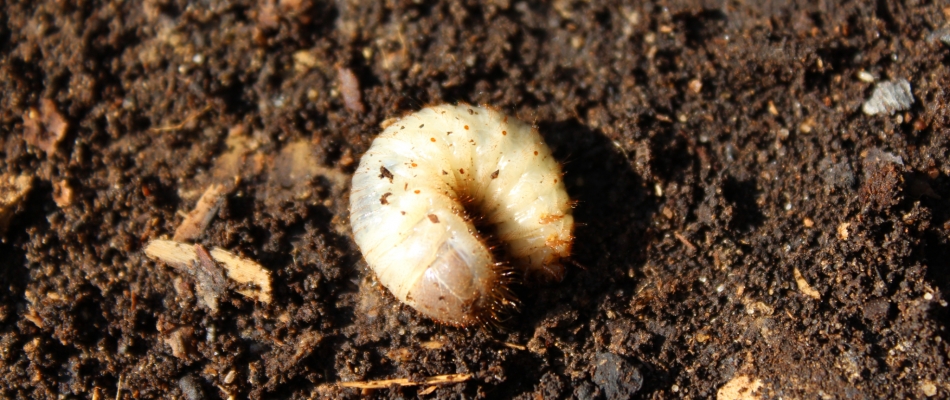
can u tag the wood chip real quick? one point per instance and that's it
(181, 342)
(13, 190)
(432, 344)
(189, 119)
(804, 287)
(44, 128)
(240, 161)
(253, 280)
(194, 261)
(350, 89)
(175, 254)
(741, 387)
(198, 219)
(385, 383)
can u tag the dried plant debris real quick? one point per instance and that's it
(194, 260)
(293, 171)
(253, 279)
(618, 378)
(13, 190)
(836, 175)
(741, 387)
(198, 219)
(44, 128)
(240, 161)
(181, 341)
(804, 287)
(889, 97)
(211, 281)
(63, 194)
(883, 179)
(385, 383)
(350, 89)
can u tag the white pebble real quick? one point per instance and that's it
(889, 97)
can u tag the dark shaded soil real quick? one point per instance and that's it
(715, 148)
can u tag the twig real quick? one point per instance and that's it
(180, 125)
(514, 346)
(385, 383)
(118, 389)
(685, 241)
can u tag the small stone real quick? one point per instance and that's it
(942, 34)
(843, 230)
(696, 86)
(191, 388)
(928, 388)
(45, 128)
(229, 378)
(889, 97)
(617, 377)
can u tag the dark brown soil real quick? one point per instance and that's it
(740, 215)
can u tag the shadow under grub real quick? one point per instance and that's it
(611, 215)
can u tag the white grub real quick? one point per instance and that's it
(425, 183)
(198, 219)
(889, 97)
(254, 280)
(13, 191)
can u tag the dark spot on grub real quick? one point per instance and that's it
(384, 173)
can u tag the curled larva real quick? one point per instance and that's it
(449, 200)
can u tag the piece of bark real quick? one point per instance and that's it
(198, 219)
(196, 262)
(44, 128)
(252, 279)
(350, 89)
(212, 283)
(13, 190)
(181, 342)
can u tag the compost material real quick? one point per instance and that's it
(746, 228)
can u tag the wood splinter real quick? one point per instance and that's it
(385, 383)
